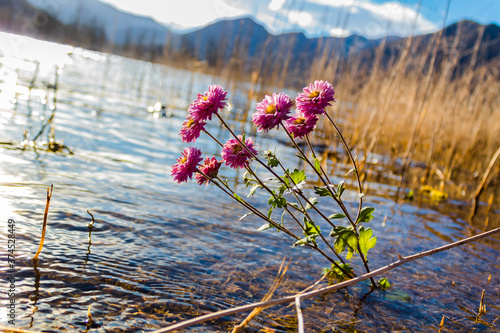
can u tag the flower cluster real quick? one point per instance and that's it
(237, 156)
(201, 110)
(315, 98)
(238, 152)
(210, 169)
(187, 164)
(273, 110)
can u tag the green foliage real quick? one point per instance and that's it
(366, 214)
(317, 165)
(313, 201)
(322, 191)
(300, 156)
(366, 241)
(272, 159)
(350, 171)
(265, 227)
(297, 176)
(277, 201)
(253, 189)
(346, 238)
(384, 284)
(311, 231)
(340, 189)
(336, 216)
(336, 274)
(237, 197)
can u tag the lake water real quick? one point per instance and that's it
(161, 252)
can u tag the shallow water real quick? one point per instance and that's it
(160, 252)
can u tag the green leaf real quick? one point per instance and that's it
(317, 165)
(338, 230)
(253, 189)
(304, 241)
(338, 273)
(277, 201)
(241, 218)
(273, 162)
(366, 241)
(311, 229)
(321, 191)
(352, 245)
(300, 156)
(384, 284)
(340, 189)
(237, 197)
(313, 201)
(336, 216)
(294, 205)
(265, 227)
(298, 176)
(342, 234)
(349, 172)
(366, 214)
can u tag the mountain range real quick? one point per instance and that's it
(100, 24)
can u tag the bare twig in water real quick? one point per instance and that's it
(321, 291)
(91, 224)
(5, 329)
(441, 325)
(267, 297)
(45, 215)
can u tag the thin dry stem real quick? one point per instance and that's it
(44, 227)
(267, 297)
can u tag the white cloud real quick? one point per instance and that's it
(301, 18)
(276, 5)
(339, 32)
(374, 20)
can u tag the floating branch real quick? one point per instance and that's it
(40, 247)
(290, 299)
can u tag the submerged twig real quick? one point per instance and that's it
(91, 224)
(45, 215)
(267, 297)
(300, 319)
(321, 291)
(5, 329)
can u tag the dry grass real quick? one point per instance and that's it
(411, 111)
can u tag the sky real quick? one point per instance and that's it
(369, 18)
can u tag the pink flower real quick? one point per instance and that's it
(210, 167)
(186, 164)
(315, 98)
(205, 106)
(190, 130)
(300, 125)
(235, 155)
(271, 111)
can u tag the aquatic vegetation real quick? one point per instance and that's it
(289, 190)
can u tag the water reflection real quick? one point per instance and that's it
(159, 252)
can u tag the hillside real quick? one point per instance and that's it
(93, 24)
